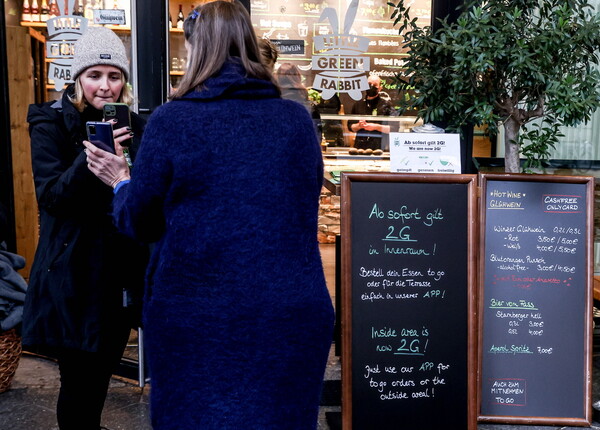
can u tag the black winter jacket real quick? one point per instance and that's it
(82, 264)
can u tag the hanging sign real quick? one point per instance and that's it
(109, 16)
(63, 31)
(289, 47)
(341, 67)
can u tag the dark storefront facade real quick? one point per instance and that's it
(335, 46)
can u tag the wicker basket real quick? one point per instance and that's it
(10, 352)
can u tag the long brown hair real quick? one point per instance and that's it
(190, 20)
(268, 52)
(222, 30)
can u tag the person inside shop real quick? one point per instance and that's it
(333, 131)
(238, 318)
(269, 53)
(370, 134)
(290, 83)
(84, 272)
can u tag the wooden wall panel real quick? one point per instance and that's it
(21, 94)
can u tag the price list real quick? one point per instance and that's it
(534, 302)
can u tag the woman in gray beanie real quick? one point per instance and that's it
(74, 307)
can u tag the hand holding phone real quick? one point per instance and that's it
(101, 135)
(119, 112)
(120, 117)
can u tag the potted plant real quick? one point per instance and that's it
(505, 63)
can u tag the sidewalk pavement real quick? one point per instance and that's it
(30, 402)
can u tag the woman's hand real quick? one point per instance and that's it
(110, 168)
(121, 135)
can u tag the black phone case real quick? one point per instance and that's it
(101, 135)
(118, 111)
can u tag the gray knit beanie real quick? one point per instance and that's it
(99, 45)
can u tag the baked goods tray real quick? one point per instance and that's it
(356, 157)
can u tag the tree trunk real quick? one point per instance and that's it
(511, 148)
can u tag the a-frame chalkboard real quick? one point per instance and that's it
(408, 301)
(536, 304)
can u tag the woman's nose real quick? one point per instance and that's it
(104, 84)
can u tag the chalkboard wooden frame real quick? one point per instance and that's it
(470, 181)
(586, 377)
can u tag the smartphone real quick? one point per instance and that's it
(118, 111)
(101, 135)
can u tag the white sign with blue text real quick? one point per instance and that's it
(425, 153)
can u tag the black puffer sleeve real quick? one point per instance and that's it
(63, 183)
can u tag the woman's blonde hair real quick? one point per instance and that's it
(221, 30)
(80, 102)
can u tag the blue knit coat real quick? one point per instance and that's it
(237, 315)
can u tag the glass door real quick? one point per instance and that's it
(55, 26)
(178, 10)
(339, 49)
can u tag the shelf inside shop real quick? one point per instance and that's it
(32, 24)
(43, 25)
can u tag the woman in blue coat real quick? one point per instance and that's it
(227, 181)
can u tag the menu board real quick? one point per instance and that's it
(408, 324)
(536, 301)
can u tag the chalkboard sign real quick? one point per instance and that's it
(536, 306)
(289, 47)
(408, 301)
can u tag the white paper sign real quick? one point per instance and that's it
(109, 16)
(425, 153)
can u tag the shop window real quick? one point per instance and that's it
(329, 54)
(55, 25)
